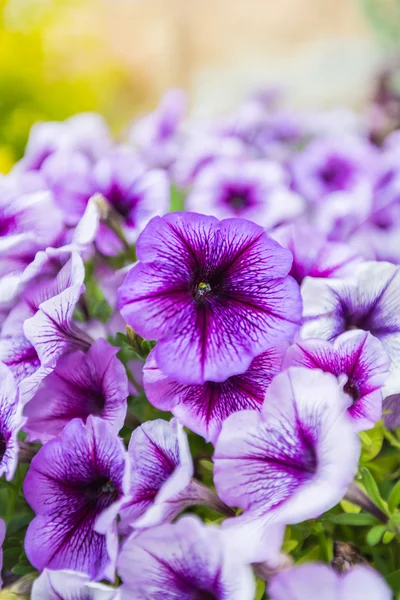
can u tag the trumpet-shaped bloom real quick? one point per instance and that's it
(313, 254)
(362, 361)
(10, 422)
(369, 300)
(81, 385)
(134, 192)
(290, 462)
(187, 561)
(214, 293)
(86, 133)
(204, 407)
(334, 164)
(161, 476)
(320, 582)
(69, 585)
(76, 485)
(254, 190)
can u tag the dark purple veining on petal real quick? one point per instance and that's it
(3, 445)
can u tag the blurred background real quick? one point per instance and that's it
(58, 57)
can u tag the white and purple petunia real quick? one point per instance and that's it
(290, 462)
(156, 135)
(94, 383)
(254, 189)
(136, 193)
(360, 362)
(86, 133)
(11, 422)
(24, 230)
(161, 477)
(76, 485)
(70, 585)
(369, 300)
(187, 561)
(320, 582)
(215, 294)
(334, 164)
(204, 407)
(313, 254)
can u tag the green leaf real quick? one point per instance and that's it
(372, 441)
(349, 507)
(177, 199)
(260, 589)
(393, 580)
(375, 534)
(373, 490)
(388, 537)
(357, 520)
(394, 498)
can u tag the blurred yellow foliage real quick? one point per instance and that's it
(47, 75)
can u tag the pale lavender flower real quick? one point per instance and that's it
(156, 136)
(86, 133)
(313, 254)
(334, 164)
(252, 189)
(11, 422)
(70, 585)
(187, 561)
(202, 150)
(25, 228)
(136, 194)
(360, 362)
(203, 408)
(94, 383)
(214, 293)
(369, 300)
(290, 462)
(69, 176)
(53, 274)
(76, 485)
(320, 582)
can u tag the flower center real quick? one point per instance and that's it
(336, 173)
(203, 595)
(202, 290)
(3, 446)
(351, 389)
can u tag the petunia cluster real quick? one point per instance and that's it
(200, 357)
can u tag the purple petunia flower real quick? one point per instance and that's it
(370, 300)
(161, 477)
(155, 136)
(135, 193)
(24, 229)
(53, 275)
(254, 190)
(81, 385)
(214, 293)
(76, 485)
(313, 254)
(320, 582)
(10, 423)
(334, 164)
(290, 462)
(86, 133)
(203, 408)
(362, 361)
(202, 150)
(69, 585)
(69, 175)
(187, 561)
